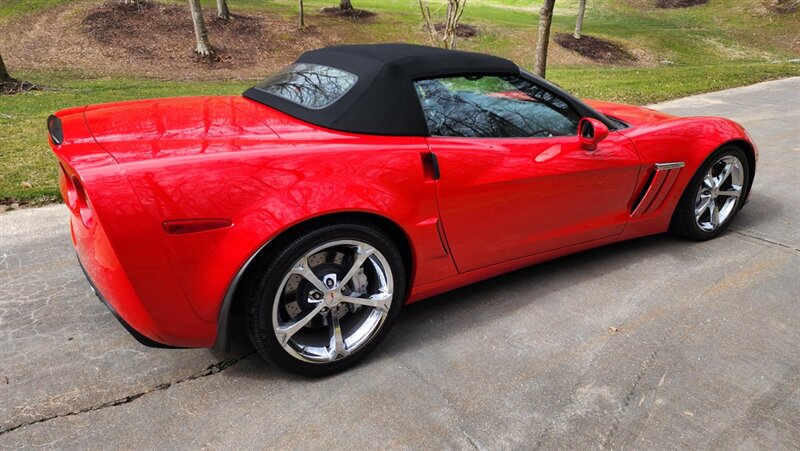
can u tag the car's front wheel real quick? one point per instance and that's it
(325, 298)
(713, 196)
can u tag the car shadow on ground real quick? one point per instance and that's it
(512, 292)
(472, 306)
(432, 319)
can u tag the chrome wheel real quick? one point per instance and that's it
(332, 301)
(719, 193)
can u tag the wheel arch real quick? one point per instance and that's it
(750, 152)
(230, 309)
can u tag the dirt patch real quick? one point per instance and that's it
(679, 3)
(596, 49)
(783, 6)
(360, 15)
(462, 30)
(155, 40)
(158, 33)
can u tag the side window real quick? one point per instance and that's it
(493, 107)
(313, 86)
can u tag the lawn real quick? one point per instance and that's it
(711, 47)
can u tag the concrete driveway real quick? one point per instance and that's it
(706, 352)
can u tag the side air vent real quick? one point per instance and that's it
(657, 188)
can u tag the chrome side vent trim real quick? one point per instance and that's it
(661, 182)
(668, 166)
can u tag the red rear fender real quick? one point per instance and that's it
(275, 186)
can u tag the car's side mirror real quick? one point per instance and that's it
(590, 132)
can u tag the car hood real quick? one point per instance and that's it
(633, 115)
(182, 126)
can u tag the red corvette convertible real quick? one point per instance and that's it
(310, 209)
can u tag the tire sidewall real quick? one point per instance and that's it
(263, 297)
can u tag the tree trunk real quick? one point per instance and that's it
(579, 20)
(200, 33)
(301, 21)
(222, 10)
(449, 32)
(446, 36)
(4, 76)
(543, 38)
(426, 16)
(345, 4)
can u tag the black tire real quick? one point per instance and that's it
(262, 290)
(683, 219)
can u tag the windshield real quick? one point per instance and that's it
(313, 86)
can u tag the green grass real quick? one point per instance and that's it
(723, 44)
(649, 85)
(10, 9)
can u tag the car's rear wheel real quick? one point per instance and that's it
(713, 196)
(325, 298)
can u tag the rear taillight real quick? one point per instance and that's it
(55, 129)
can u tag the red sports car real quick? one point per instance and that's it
(308, 210)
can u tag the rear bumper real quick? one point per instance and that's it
(120, 247)
(141, 338)
(143, 293)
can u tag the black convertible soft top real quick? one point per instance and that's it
(383, 100)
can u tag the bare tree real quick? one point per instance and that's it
(345, 4)
(543, 37)
(301, 21)
(222, 10)
(579, 19)
(204, 47)
(446, 37)
(9, 84)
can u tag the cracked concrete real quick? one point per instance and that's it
(706, 353)
(208, 371)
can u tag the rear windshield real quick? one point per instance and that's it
(313, 86)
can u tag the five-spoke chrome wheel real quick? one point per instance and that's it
(332, 301)
(719, 193)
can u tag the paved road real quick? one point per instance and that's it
(707, 352)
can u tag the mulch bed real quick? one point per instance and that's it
(161, 35)
(157, 40)
(462, 30)
(353, 13)
(595, 49)
(679, 3)
(155, 31)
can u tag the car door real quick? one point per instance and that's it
(514, 180)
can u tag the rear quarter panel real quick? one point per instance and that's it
(115, 243)
(264, 186)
